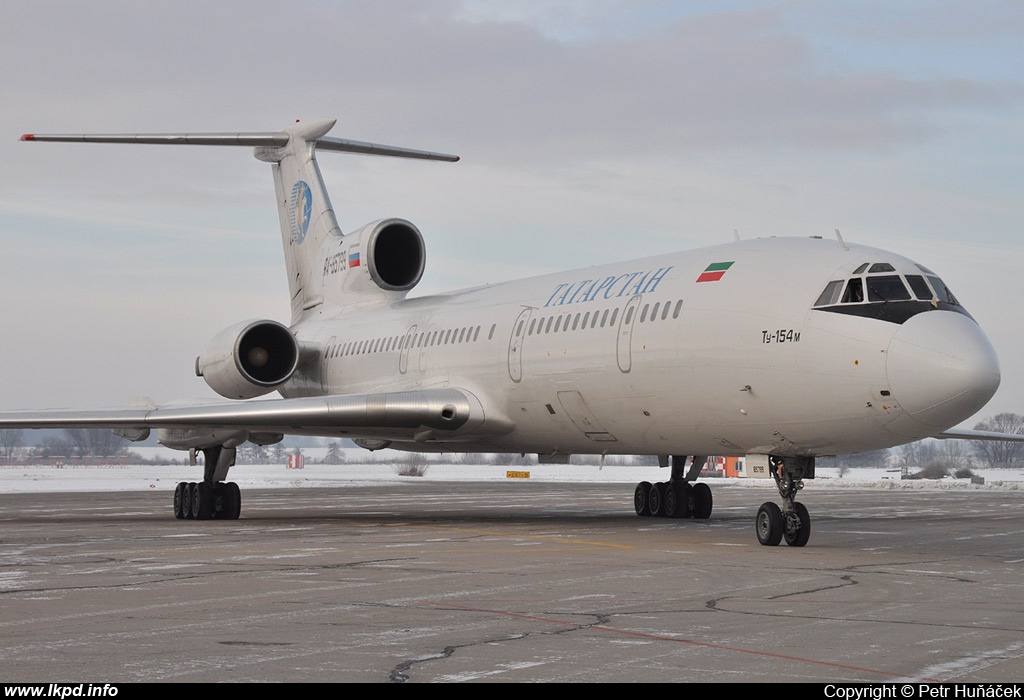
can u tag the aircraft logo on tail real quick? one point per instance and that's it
(302, 208)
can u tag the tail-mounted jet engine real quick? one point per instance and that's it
(249, 359)
(389, 255)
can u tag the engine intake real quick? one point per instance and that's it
(249, 359)
(397, 255)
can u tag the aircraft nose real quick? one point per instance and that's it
(941, 368)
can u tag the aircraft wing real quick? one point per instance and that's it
(422, 416)
(978, 435)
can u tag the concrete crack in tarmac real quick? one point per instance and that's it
(574, 626)
(399, 673)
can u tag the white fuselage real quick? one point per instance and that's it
(663, 356)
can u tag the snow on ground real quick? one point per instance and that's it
(364, 468)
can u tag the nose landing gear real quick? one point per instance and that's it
(791, 522)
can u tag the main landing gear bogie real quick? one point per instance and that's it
(668, 500)
(677, 498)
(203, 501)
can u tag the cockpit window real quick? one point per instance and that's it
(892, 297)
(886, 288)
(831, 294)
(864, 289)
(920, 287)
(854, 293)
(942, 292)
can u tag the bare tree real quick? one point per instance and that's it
(915, 455)
(874, 459)
(413, 464)
(955, 456)
(997, 453)
(10, 441)
(334, 455)
(93, 443)
(278, 454)
(931, 459)
(251, 453)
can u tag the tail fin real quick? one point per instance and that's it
(306, 216)
(305, 211)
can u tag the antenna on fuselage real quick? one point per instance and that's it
(736, 235)
(839, 236)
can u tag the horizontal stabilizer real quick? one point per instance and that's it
(258, 139)
(240, 139)
(326, 143)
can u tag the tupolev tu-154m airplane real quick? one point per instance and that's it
(780, 349)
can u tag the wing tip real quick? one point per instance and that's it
(27, 137)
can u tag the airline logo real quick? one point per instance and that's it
(715, 271)
(629, 283)
(301, 205)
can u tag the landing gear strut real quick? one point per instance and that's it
(211, 497)
(678, 497)
(791, 521)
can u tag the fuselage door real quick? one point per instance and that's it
(403, 358)
(575, 406)
(515, 345)
(325, 378)
(622, 349)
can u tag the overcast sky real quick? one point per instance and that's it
(589, 131)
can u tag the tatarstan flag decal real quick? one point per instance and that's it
(714, 271)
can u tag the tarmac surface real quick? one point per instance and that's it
(510, 581)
